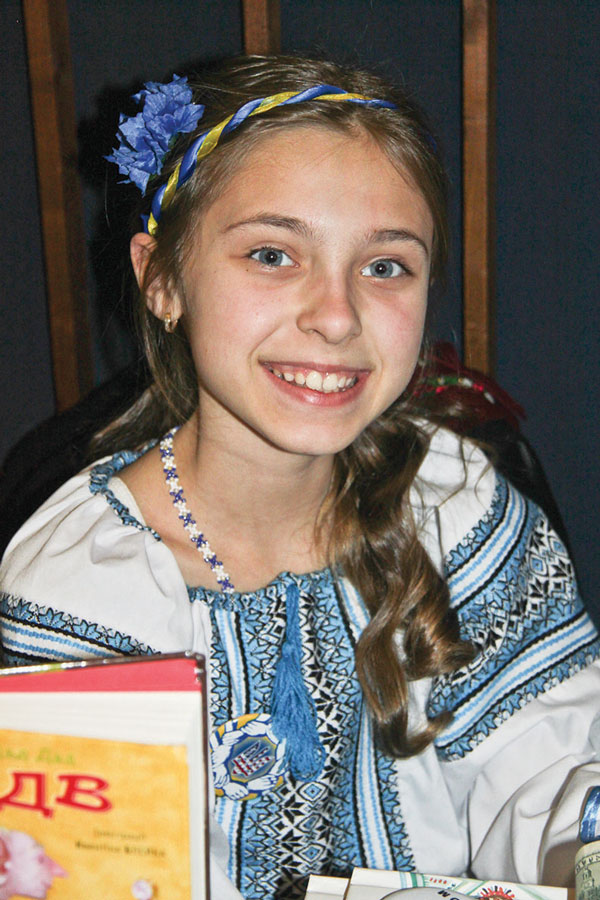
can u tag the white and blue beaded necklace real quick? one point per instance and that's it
(293, 710)
(183, 511)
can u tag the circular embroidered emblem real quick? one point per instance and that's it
(497, 892)
(247, 758)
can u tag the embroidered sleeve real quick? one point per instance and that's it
(32, 633)
(84, 578)
(513, 587)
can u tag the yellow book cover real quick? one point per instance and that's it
(101, 816)
(70, 817)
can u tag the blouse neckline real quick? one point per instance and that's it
(100, 475)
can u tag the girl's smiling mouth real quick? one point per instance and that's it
(320, 379)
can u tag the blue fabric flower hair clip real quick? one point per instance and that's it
(145, 139)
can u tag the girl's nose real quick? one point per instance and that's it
(329, 309)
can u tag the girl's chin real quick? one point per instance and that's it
(312, 442)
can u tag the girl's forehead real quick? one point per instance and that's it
(323, 166)
(301, 145)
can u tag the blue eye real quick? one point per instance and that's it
(270, 256)
(384, 268)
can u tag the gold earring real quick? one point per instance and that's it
(169, 323)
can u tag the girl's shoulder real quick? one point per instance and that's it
(92, 502)
(453, 491)
(87, 553)
(512, 586)
(452, 463)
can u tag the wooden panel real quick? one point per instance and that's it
(479, 183)
(262, 26)
(51, 83)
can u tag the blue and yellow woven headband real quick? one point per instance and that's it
(146, 138)
(208, 140)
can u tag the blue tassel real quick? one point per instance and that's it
(293, 710)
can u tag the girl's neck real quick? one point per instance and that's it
(251, 478)
(257, 505)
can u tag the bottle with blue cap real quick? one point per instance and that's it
(587, 860)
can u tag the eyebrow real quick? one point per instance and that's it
(397, 234)
(298, 226)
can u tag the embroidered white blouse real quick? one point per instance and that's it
(501, 791)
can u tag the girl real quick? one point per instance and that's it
(397, 648)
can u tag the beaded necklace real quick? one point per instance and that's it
(183, 511)
(293, 713)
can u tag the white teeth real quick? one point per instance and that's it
(330, 383)
(314, 381)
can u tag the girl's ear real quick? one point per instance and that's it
(159, 299)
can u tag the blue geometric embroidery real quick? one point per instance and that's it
(33, 633)
(513, 587)
(100, 475)
(277, 839)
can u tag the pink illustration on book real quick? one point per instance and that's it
(26, 870)
(142, 890)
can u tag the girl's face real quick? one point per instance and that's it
(305, 292)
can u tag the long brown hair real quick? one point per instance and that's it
(371, 535)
